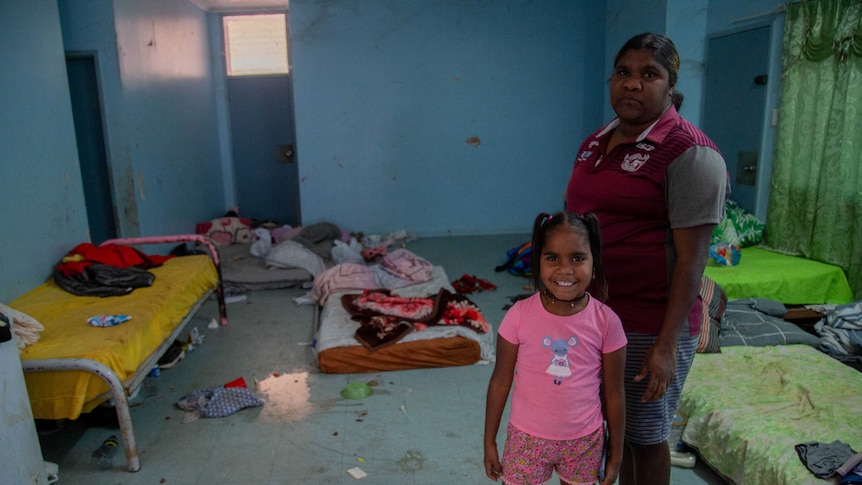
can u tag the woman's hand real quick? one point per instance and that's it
(660, 364)
(691, 244)
(611, 474)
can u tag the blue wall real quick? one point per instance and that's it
(387, 94)
(160, 110)
(43, 198)
(169, 104)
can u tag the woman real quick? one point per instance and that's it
(657, 185)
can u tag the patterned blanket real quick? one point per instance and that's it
(385, 318)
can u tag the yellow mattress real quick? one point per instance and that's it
(156, 311)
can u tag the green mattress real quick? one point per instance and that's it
(747, 408)
(787, 279)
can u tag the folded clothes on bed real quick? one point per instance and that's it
(397, 269)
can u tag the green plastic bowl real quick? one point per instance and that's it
(356, 390)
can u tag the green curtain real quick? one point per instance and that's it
(815, 203)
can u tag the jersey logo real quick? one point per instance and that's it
(584, 155)
(647, 147)
(634, 161)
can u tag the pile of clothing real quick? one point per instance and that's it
(108, 270)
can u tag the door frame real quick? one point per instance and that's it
(114, 231)
(223, 106)
(775, 23)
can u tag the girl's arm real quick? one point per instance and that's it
(613, 376)
(498, 394)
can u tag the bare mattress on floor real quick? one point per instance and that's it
(338, 351)
(749, 407)
(242, 271)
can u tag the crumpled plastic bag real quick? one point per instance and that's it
(347, 253)
(725, 254)
(263, 245)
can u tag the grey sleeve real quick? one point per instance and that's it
(696, 188)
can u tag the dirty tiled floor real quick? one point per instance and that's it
(417, 427)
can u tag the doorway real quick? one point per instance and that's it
(262, 137)
(85, 92)
(260, 103)
(734, 106)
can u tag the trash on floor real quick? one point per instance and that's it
(195, 339)
(52, 470)
(238, 382)
(216, 402)
(103, 456)
(175, 353)
(472, 284)
(356, 390)
(357, 473)
(235, 298)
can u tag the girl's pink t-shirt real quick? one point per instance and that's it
(558, 371)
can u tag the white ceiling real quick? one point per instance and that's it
(241, 5)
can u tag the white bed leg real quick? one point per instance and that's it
(118, 393)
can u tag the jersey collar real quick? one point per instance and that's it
(655, 132)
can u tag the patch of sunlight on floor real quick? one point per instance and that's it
(285, 397)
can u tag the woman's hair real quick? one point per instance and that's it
(585, 224)
(677, 99)
(663, 48)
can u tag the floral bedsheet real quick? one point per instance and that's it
(747, 407)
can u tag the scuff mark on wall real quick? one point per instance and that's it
(141, 193)
(129, 225)
(474, 140)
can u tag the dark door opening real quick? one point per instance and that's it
(90, 137)
(735, 100)
(262, 135)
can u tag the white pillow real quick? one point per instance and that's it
(291, 254)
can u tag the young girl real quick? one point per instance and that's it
(569, 350)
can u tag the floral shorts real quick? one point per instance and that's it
(531, 460)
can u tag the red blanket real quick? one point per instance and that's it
(85, 254)
(385, 318)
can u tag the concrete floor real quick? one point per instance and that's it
(418, 427)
